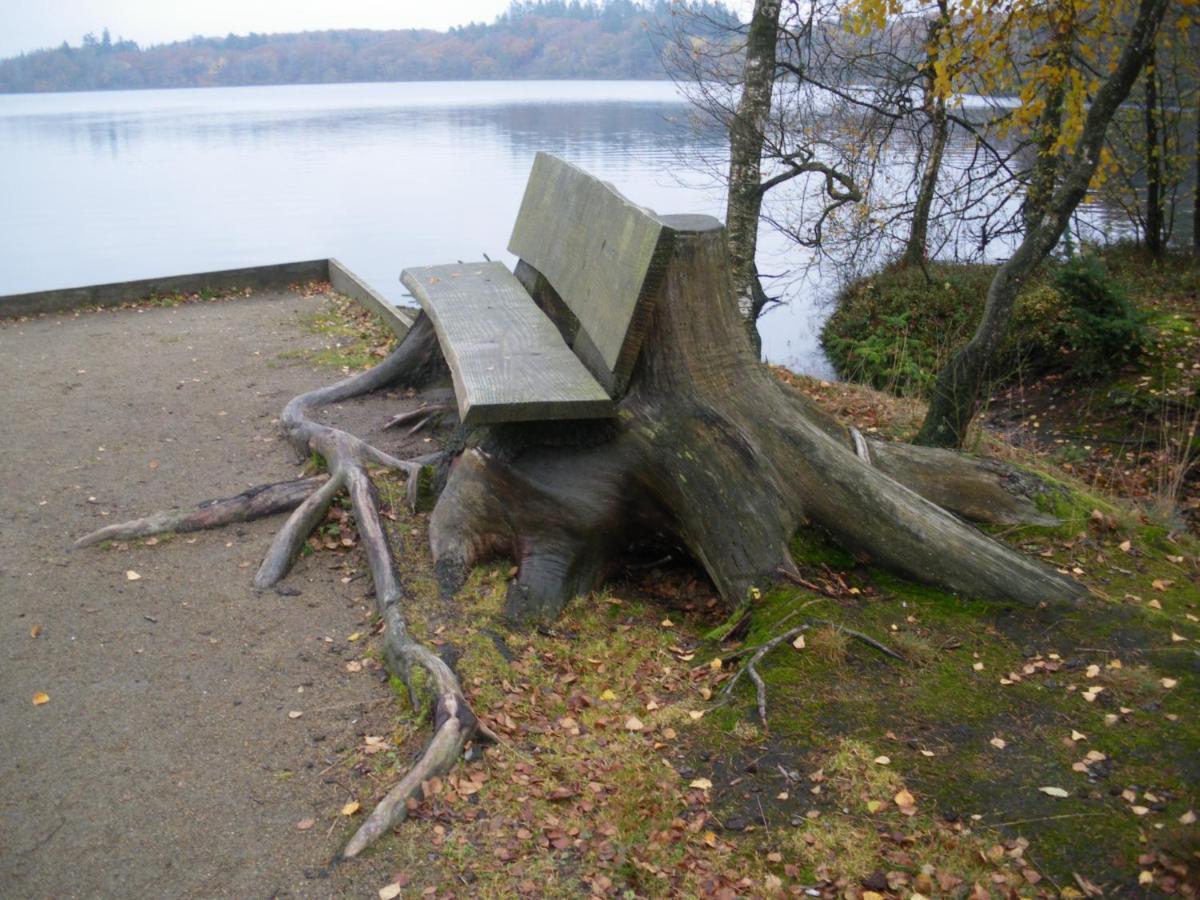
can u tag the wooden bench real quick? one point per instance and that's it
(571, 358)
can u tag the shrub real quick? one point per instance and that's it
(1104, 332)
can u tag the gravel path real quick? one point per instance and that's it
(165, 763)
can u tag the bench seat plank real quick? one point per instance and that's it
(508, 361)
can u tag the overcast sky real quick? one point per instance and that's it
(33, 24)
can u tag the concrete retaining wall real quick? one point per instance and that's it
(277, 276)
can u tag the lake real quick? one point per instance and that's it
(110, 186)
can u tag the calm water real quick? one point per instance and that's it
(111, 186)
(98, 187)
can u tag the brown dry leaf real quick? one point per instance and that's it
(40, 697)
(354, 666)
(35, 631)
(633, 723)
(351, 808)
(1161, 584)
(694, 714)
(305, 824)
(702, 784)
(1154, 604)
(904, 799)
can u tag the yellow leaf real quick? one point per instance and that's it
(695, 714)
(874, 806)
(882, 760)
(608, 695)
(702, 784)
(35, 631)
(1169, 683)
(351, 808)
(355, 636)
(40, 697)
(131, 575)
(904, 799)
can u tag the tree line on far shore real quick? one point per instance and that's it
(549, 39)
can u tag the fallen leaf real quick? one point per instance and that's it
(1054, 791)
(35, 631)
(1176, 637)
(1154, 604)
(882, 760)
(40, 697)
(1139, 810)
(608, 695)
(702, 784)
(131, 575)
(354, 666)
(667, 623)
(1161, 584)
(798, 643)
(1145, 877)
(295, 714)
(1168, 683)
(874, 806)
(904, 799)
(998, 743)
(1078, 736)
(695, 714)
(1188, 818)
(355, 636)
(305, 824)
(1125, 546)
(978, 667)
(927, 753)
(390, 892)
(1093, 671)
(351, 808)
(633, 723)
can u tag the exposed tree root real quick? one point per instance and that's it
(257, 502)
(758, 651)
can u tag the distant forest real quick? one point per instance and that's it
(550, 39)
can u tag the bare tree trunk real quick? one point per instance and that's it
(956, 391)
(1045, 167)
(1196, 188)
(746, 138)
(916, 247)
(1154, 179)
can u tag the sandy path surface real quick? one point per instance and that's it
(165, 763)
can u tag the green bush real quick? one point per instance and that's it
(896, 329)
(1104, 332)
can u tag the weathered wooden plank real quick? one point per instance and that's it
(508, 361)
(602, 254)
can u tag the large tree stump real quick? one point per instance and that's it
(712, 453)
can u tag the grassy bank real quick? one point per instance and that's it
(1100, 373)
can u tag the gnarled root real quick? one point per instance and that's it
(757, 652)
(255, 503)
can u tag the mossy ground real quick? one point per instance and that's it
(357, 337)
(624, 770)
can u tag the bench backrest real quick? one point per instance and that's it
(604, 257)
